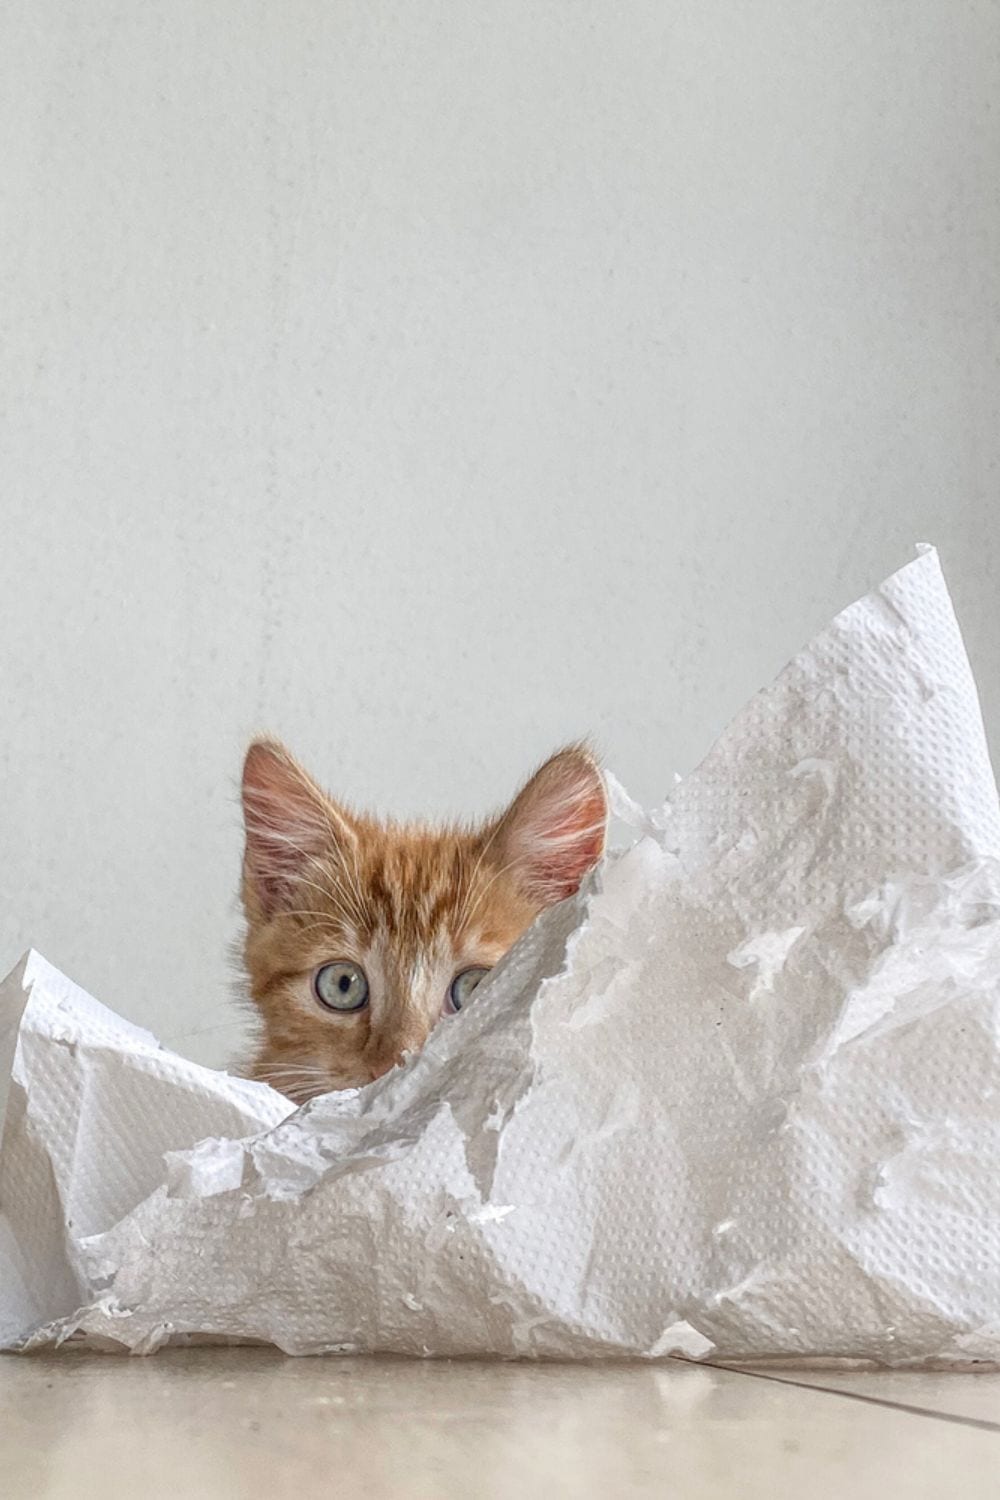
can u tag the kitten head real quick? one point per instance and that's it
(362, 934)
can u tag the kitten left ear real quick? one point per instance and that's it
(554, 830)
(289, 823)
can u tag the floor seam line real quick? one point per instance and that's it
(983, 1424)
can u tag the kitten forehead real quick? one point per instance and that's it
(419, 888)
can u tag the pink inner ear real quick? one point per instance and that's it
(286, 823)
(557, 830)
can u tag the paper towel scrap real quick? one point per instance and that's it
(739, 1098)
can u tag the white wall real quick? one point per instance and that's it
(431, 382)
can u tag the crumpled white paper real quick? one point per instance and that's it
(740, 1098)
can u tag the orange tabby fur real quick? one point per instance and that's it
(411, 904)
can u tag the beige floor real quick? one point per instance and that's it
(240, 1423)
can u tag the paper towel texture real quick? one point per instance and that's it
(737, 1098)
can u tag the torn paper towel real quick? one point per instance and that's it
(740, 1098)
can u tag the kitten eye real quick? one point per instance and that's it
(341, 986)
(462, 987)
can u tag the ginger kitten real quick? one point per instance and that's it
(362, 934)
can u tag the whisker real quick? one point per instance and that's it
(299, 1083)
(336, 897)
(352, 869)
(305, 911)
(351, 897)
(483, 890)
(300, 1070)
(329, 923)
(274, 1076)
(470, 884)
(353, 874)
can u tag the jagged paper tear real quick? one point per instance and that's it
(738, 1098)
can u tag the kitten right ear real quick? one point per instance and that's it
(554, 830)
(289, 824)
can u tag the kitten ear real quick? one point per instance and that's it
(289, 823)
(554, 830)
